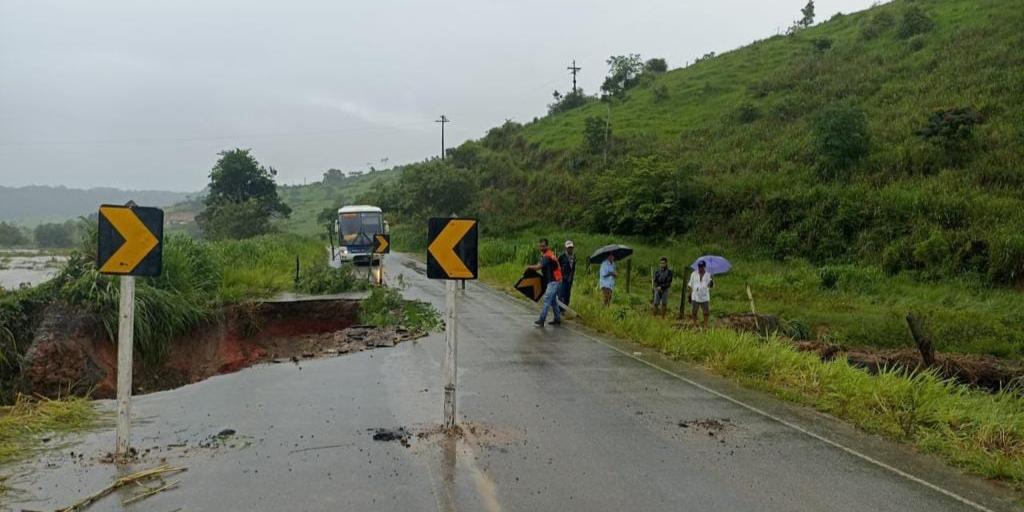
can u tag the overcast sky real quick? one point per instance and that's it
(143, 94)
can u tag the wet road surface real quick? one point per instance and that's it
(560, 419)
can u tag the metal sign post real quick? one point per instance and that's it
(451, 339)
(381, 246)
(130, 245)
(452, 256)
(125, 345)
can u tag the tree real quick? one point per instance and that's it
(435, 188)
(242, 199)
(55, 235)
(11, 235)
(333, 176)
(808, 12)
(622, 74)
(807, 20)
(841, 138)
(656, 65)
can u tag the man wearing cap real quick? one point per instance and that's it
(567, 262)
(700, 292)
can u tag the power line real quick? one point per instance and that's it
(147, 140)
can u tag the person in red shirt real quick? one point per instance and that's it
(551, 274)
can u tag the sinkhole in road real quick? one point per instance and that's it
(71, 350)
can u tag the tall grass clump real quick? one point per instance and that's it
(263, 266)
(386, 308)
(24, 423)
(180, 299)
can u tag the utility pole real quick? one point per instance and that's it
(574, 69)
(444, 120)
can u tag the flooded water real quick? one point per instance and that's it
(28, 268)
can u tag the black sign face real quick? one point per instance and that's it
(130, 240)
(452, 248)
(381, 243)
(531, 285)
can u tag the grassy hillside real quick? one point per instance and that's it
(306, 201)
(754, 148)
(726, 156)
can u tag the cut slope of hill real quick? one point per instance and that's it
(35, 204)
(808, 145)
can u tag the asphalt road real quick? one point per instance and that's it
(558, 419)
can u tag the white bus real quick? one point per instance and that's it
(356, 226)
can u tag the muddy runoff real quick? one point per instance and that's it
(72, 353)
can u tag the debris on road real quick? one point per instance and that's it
(136, 478)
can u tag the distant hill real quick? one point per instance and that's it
(36, 204)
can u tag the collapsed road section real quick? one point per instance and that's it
(72, 353)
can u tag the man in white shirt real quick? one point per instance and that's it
(700, 292)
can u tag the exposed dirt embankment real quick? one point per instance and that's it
(983, 371)
(71, 352)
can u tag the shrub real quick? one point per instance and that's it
(952, 130)
(1006, 264)
(567, 102)
(747, 113)
(913, 22)
(877, 25)
(829, 278)
(932, 253)
(660, 93)
(596, 133)
(841, 138)
(896, 257)
(321, 279)
(822, 44)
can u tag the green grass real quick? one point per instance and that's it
(979, 432)
(866, 307)
(386, 308)
(24, 424)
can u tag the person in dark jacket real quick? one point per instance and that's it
(552, 277)
(662, 281)
(567, 262)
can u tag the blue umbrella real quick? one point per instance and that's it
(715, 264)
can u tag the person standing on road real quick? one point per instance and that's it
(606, 278)
(662, 282)
(551, 276)
(700, 292)
(567, 263)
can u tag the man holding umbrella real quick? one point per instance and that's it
(606, 257)
(552, 277)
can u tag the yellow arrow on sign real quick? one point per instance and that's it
(382, 244)
(443, 248)
(138, 240)
(533, 284)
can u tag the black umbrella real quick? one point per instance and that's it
(620, 252)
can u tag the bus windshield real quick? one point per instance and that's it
(351, 225)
